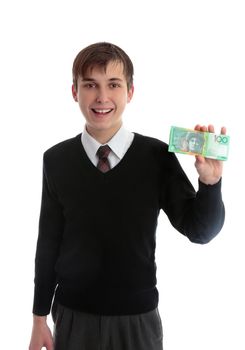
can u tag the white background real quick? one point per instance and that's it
(189, 68)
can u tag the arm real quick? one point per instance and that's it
(51, 225)
(41, 334)
(198, 215)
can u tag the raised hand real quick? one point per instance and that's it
(209, 170)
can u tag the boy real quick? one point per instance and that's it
(96, 245)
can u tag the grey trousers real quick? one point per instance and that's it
(80, 331)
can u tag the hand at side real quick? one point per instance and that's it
(41, 334)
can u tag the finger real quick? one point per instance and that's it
(199, 127)
(223, 130)
(211, 128)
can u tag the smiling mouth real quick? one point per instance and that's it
(102, 111)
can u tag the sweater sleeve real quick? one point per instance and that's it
(198, 215)
(50, 232)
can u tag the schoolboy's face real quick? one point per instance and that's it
(102, 96)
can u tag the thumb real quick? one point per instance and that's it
(199, 159)
(50, 345)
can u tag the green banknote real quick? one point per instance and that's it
(194, 142)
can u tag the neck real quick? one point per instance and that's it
(102, 136)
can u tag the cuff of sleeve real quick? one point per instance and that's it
(216, 187)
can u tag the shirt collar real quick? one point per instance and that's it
(117, 143)
(90, 144)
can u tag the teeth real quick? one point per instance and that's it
(102, 111)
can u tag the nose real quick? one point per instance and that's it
(102, 96)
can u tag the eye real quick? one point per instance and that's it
(90, 85)
(114, 85)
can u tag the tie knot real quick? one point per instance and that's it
(103, 152)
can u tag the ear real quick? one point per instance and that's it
(130, 94)
(74, 92)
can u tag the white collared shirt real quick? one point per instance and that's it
(119, 145)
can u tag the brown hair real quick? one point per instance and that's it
(100, 54)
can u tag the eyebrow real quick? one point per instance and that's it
(111, 79)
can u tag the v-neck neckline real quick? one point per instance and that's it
(93, 167)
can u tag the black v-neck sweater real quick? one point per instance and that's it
(96, 243)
